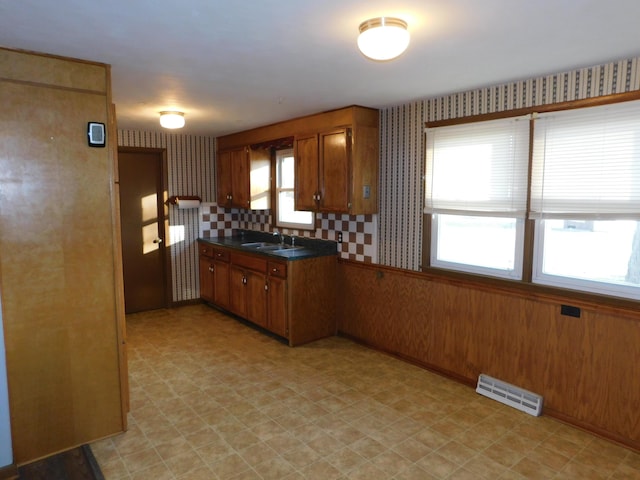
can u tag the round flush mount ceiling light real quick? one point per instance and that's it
(383, 38)
(172, 119)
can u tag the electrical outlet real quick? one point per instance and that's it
(339, 237)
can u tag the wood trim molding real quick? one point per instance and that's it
(10, 472)
(552, 107)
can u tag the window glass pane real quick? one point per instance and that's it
(287, 213)
(490, 244)
(606, 252)
(587, 162)
(478, 167)
(286, 216)
(286, 179)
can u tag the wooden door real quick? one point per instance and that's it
(221, 283)
(256, 297)
(240, 173)
(223, 176)
(277, 305)
(334, 174)
(306, 172)
(142, 215)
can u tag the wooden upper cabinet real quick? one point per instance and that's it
(336, 158)
(335, 173)
(243, 178)
(306, 170)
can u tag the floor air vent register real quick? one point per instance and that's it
(511, 395)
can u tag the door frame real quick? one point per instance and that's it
(164, 218)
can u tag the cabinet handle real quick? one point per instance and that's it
(266, 287)
(211, 269)
(244, 280)
(275, 270)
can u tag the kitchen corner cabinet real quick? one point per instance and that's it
(293, 299)
(244, 178)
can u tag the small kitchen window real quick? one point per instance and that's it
(286, 214)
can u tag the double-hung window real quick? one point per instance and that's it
(287, 215)
(476, 195)
(585, 199)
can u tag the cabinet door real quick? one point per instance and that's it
(335, 172)
(237, 293)
(240, 178)
(223, 174)
(206, 279)
(221, 284)
(256, 297)
(306, 172)
(277, 304)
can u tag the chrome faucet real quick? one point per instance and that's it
(276, 233)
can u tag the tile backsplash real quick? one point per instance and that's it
(358, 231)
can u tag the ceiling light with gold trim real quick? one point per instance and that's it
(383, 38)
(172, 119)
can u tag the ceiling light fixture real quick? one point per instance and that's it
(172, 119)
(383, 38)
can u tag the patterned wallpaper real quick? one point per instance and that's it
(191, 169)
(402, 142)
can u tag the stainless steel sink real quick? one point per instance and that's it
(258, 244)
(270, 247)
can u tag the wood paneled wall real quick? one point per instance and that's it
(586, 368)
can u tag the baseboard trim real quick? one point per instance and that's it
(10, 472)
(184, 303)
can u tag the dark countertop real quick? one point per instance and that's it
(311, 247)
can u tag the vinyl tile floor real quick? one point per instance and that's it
(213, 398)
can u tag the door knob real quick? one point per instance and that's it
(157, 240)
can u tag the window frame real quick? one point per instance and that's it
(507, 169)
(278, 155)
(525, 286)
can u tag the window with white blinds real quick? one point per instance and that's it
(478, 168)
(585, 198)
(586, 163)
(476, 193)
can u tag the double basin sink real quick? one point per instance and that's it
(271, 247)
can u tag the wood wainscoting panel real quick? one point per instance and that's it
(585, 368)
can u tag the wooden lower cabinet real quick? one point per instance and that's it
(277, 298)
(248, 295)
(214, 275)
(206, 278)
(221, 282)
(293, 299)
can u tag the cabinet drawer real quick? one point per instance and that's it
(277, 269)
(221, 255)
(206, 250)
(249, 261)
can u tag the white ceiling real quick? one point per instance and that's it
(232, 65)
